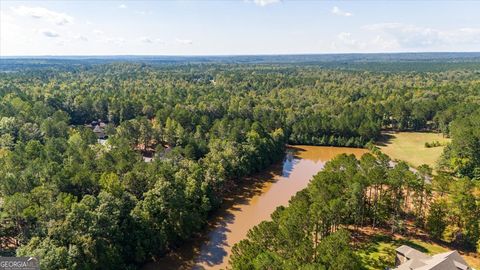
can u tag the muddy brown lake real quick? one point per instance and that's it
(252, 202)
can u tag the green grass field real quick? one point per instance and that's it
(410, 147)
(379, 251)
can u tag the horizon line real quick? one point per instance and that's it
(232, 55)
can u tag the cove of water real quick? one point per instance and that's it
(252, 202)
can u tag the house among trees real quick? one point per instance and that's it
(98, 128)
(409, 258)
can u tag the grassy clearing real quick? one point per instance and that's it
(410, 147)
(378, 251)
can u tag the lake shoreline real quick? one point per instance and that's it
(253, 200)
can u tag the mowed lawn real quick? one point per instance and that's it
(410, 147)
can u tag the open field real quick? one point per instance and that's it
(377, 251)
(410, 147)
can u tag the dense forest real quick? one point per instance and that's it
(80, 203)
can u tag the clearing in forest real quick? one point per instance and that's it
(410, 147)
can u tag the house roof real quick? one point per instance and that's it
(454, 255)
(410, 264)
(97, 129)
(417, 260)
(99, 132)
(411, 253)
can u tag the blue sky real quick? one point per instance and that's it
(178, 27)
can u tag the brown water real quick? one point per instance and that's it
(252, 203)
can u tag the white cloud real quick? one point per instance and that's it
(49, 33)
(346, 42)
(337, 11)
(142, 12)
(115, 40)
(468, 35)
(150, 40)
(184, 41)
(122, 6)
(412, 36)
(11, 34)
(263, 3)
(146, 40)
(97, 32)
(398, 37)
(43, 13)
(80, 37)
(345, 39)
(380, 42)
